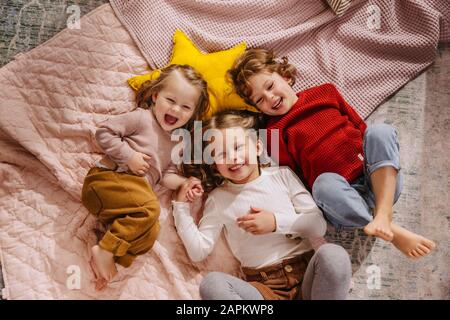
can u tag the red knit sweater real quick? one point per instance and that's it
(321, 133)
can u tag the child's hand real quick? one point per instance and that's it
(138, 163)
(195, 192)
(258, 221)
(189, 190)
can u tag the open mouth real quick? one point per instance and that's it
(278, 104)
(170, 119)
(235, 167)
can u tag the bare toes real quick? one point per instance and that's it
(424, 248)
(429, 244)
(420, 251)
(101, 284)
(416, 253)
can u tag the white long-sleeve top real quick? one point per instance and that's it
(277, 190)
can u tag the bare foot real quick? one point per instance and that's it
(100, 283)
(103, 266)
(411, 244)
(380, 227)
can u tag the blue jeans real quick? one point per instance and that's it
(349, 204)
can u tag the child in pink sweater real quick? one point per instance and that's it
(137, 146)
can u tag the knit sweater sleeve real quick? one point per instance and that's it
(347, 110)
(110, 136)
(198, 240)
(278, 149)
(309, 221)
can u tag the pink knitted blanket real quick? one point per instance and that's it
(370, 52)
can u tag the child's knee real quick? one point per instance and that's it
(326, 189)
(334, 261)
(380, 132)
(209, 285)
(332, 252)
(151, 237)
(326, 185)
(151, 214)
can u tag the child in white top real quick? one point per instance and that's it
(267, 215)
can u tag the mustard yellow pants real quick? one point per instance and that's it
(130, 208)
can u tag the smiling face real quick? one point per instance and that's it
(236, 155)
(271, 93)
(175, 104)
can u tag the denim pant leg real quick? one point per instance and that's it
(381, 149)
(341, 203)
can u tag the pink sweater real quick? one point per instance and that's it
(122, 135)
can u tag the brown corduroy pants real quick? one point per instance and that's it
(130, 208)
(282, 281)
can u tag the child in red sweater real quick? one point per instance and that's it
(352, 169)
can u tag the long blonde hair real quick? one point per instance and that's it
(254, 61)
(208, 174)
(144, 94)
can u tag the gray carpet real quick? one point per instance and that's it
(26, 24)
(419, 111)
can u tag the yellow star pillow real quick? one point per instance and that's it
(212, 66)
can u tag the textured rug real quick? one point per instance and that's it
(419, 111)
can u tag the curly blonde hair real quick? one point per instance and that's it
(254, 61)
(148, 88)
(229, 118)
